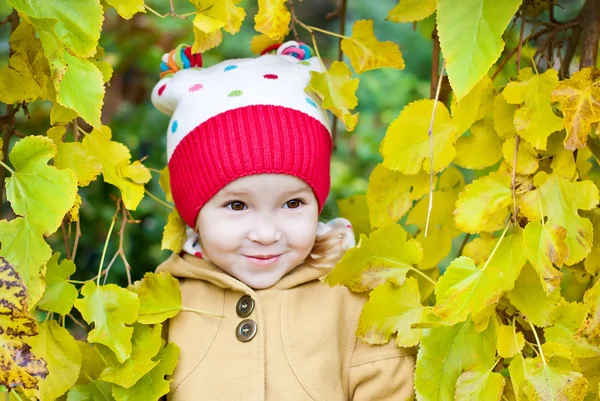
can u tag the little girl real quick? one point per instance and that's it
(249, 154)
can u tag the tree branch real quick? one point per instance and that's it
(591, 33)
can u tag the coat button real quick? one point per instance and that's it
(245, 306)
(246, 330)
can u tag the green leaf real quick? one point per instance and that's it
(406, 146)
(16, 235)
(411, 10)
(80, 34)
(483, 205)
(479, 385)
(446, 351)
(127, 8)
(159, 295)
(96, 390)
(387, 256)
(545, 245)
(110, 308)
(356, 209)
(60, 294)
(153, 385)
(92, 363)
(39, 192)
(59, 349)
(146, 342)
(470, 34)
(392, 309)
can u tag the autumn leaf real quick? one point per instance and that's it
(387, 256)
(92, 363)
(392, 309)
(272, 19)
(356, 210)
(159, 295)
(212, 15)
(545, 246)
(480, 248)
(110, 308)
(165, 183)
(390, 194)
(406, 147)
(504, 114)
(483, 205)
(509, 342)
(534, 120)
(260, 42)
(60, 294)
(473, 106)
(471, 38)
(20, 366)
(95, 390)
(479, 150)
(579, 98)
(206, 41)
(590, 328)
(479, 385)
(336, 89)
(527, 156)
(567, 319)
(60, 115)
(367, 53)
(411, 10)
(174, 233)
(127, 8)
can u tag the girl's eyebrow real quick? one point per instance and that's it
(246, 193)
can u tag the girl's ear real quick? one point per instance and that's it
(168, 91)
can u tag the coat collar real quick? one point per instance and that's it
(188, 266)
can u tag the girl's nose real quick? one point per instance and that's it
(265, 233)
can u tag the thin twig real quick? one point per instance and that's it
(64, 233)
(342, 16)
(112, 225)
(77, 322)
(76, 242)
(121, 249)
(430, 133)
(107, 269)
(293, 21)
(462, 245)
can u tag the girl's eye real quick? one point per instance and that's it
(236, 206)
(294, 203)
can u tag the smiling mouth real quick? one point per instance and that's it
(262, 260)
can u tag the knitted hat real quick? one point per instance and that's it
(241, 117)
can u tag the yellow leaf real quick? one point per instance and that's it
(472, 107)
(356, 209)
(504, 114)
(590, 328)
(262, 41)
(579, 98)
(136, 172)
(546, 245)
(390, 194)
(165, 183)
(127, 8)
(74, 212)
(483, 205)
(114, 156)
(534, 120)
(592, 262)
(411, 10)
(273, 18)
(174, 234)
(206, 41)
(567, 318)
(61, 115)
(479, 150)
(479, 249)
(336, 89)
(212, 15)
(527, 156)
(509, 342)
(367, 53)
(406, 145)
(74, 156)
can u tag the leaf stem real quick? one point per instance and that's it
(112, 225)
(183, 308)
(6, 167)
(78, 281)
(487, 262)
(430, 134)
(513, 178)
(158, 200)
(153, 11)
(425, 276)
(541, 208)
(537, 340)
(310, 29)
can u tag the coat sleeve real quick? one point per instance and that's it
(382, 372)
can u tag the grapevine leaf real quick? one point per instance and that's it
(61, 115)
(504, 115)
(579, 98)
(527, 156)
(262, 41)
(92, 363)
(483, 205)
(206, 41)
(114, 156)
(336, 89)
(479, 249)
(560, 199)
(212, 15)
(127, 8)
(159, 295)
(39, 192)
(471, 38)
(96, 390)
(390, 194)
(466, 289)
(446, 351)
(592, 262)
(384, 257)
(17, 235)
(356, 209)
(87, 103)
(530, 298)
(272, 19)
(479, 385)
(74, 156)
(567, 319)
(60, 294)
(153, 385)
(591, 326)
(392, 309)
(59, 349)
(146, 342)
(411, 10)
(406, 146)
(79, 34)
(165, 183)
(110, 308)
(20, 367)
(136, 172)
(479, 150)
(534, 120)
(471, 107)
(554, 379)
(545, 245)
(509, 342)
(367, 53)
(174, 234)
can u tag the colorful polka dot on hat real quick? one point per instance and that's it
(242, 117)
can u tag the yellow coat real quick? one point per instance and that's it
(304, 346)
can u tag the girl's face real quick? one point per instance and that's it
(258, 228)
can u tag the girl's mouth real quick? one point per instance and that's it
(262, 260)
